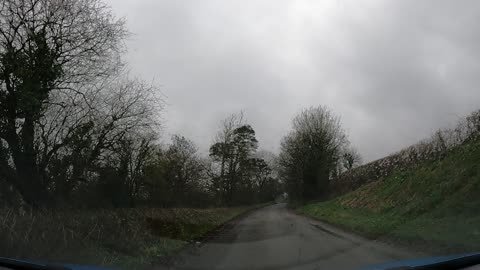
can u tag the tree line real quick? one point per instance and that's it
(76, 129)
(234, 173)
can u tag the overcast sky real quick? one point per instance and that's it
(395, 71)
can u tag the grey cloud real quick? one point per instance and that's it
(394, 70)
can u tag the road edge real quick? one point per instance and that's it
(169, 260)
(342, 231)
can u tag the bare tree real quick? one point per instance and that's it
(351, 158)
(239, 174)
(48, 47)
(179, 173)
(224, 152)
(310, 153)
(271, 159)
(116, 127)
(133, 154)
(185, 167)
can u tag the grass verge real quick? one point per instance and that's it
(123, 238)
(435, 206)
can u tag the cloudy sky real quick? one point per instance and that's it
(395, 71)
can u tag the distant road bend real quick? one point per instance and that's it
(275, 238)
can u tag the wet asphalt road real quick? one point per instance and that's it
(275, 238)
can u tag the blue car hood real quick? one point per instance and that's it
(57, 265)
(419, 262)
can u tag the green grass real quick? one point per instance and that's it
(124, 238)
(437, 204)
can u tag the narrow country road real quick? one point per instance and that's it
(275, 238)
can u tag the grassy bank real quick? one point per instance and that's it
(125, 238)
(435, 205)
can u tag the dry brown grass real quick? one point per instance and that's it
(105, 237)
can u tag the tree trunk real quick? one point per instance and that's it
(28, 180)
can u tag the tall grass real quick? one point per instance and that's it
(105, 237)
